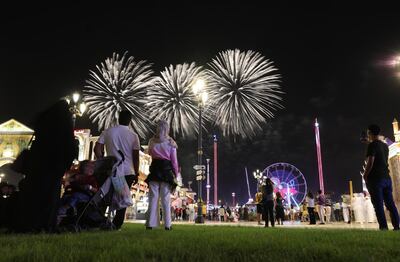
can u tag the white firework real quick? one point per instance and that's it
(119, 83)
(244, 90)
(172, 98)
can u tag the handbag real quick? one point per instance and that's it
(122, 195)
(22, 163)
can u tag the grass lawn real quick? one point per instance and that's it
(205, 243)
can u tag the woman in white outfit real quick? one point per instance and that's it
(163, 176)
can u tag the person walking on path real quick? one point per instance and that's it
(164, 175)
(321, 206)
(116, 139)
(378, 181)
(259, 206)
(310, 207)
(221, 213)
(328, 209)
(279, 209)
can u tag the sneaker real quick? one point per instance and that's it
(149, 228)
(168, 228)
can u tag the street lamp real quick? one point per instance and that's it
(258, 176)
(201, 95)
(233, 199)
(76, 106)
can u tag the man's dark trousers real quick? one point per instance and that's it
(381, 191)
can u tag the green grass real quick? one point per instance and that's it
(205, 243)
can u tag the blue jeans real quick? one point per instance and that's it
(381, 191)
(76, 197)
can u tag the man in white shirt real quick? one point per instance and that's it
(121, 138)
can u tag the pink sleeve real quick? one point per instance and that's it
(174, 160)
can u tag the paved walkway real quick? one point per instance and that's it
(286, 224)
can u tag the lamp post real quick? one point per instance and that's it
(76, 106)
(258, 176)
(201, 95)
(208, 186)
(233, 199)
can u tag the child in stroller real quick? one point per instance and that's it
(91, 212)
(79, 188)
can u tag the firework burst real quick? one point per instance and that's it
(119, 83)
(244, 91)
(171, 98)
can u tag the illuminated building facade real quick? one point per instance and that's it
(394, 162)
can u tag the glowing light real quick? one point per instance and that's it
(395, 61)
(82, 108)
(204, 97)
(8, 152)
(198, 86)
(75, 97)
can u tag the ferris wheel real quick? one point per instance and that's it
(289, 181)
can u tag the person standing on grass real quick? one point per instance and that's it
(116, 139)
(321, 206)
(164, 175)
(51, 155)
(310, 207)
(268, 202)
(377, 178)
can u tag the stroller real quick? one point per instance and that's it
(95, 213)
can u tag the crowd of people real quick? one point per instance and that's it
(54, 148)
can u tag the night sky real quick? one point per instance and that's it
(332, 67)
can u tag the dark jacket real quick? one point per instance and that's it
(161, 170)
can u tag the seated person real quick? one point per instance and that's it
(80, 187)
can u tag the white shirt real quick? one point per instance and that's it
(122, 138)
(310, 202)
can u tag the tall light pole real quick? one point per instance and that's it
(76, 106)
(198, 90)
(319, 157)
(248, 187)
(208, 182)
(215, 170)
(258, 176)
(233, 199)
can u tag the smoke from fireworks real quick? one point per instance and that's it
(171, 98)
(243, 90)
(118, 84)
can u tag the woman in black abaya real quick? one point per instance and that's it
(52, 153)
